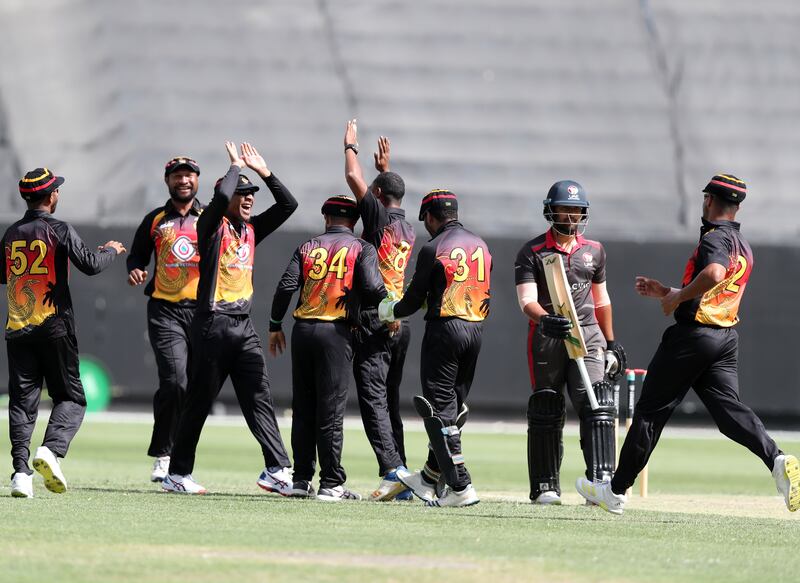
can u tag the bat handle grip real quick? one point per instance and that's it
(587, 383)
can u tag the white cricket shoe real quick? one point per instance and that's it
(456, 498)
(786, 472)
(22, 485)
(160, 469)
(422, 489)
(279, 482)
(182, 484)
(549, 498)
(46, 463)
(600, 493)
(390, 486)
(337, 494)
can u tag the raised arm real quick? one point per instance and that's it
(285, 204)
(352, 169)
(211, 217)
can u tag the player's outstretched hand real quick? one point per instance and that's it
(233, 154)
(277, 343)
(651, 288)
(137, 277)
(555, 326)
(382, 155)
(351, 133)
(115, 245)
(254, 160)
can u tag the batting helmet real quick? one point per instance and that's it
(567, 193)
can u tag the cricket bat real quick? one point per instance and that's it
(563, 305)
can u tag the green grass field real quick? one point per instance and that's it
(713, 515)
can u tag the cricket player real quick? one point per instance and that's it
(380, 348)
(700, 351)
(40, 330)
(566, 208)
(223, 340)
(336, 273)
(169, 232)
(453, 275)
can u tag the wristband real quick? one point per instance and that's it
(353, 147)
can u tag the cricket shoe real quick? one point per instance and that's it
(549, 498)
(278, 481)
(786, 472)
(456, 498)
(302, 489)
(390, 486)
(600, 493)
(160, 469)
(405, 496)
(22, 485)
(182, 484)
(337, 494)
(422, 489)
(46, 463)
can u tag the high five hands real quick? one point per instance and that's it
(247, 156)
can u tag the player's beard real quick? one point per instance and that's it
(177, 197)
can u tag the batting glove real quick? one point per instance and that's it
(386, 309)
(555, 326)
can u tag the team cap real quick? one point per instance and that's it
(727, 186)
(39, 183)
(437, 199)
(340, 206)
(181, 162)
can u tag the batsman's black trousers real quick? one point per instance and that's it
(321, 368)
(705, 359)
(225, 345)
(378, 369)
(168, 326)
(450, 351)
(53, 360)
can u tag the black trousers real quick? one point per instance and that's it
(168, 326)
(450, 351)
(705, 359)
(222, 346)
(378, 369)
(321, 368)
(29, 364)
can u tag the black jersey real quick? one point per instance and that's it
(336, 272)
(453, 274)
(584, 264)
(37, 251)
(227, 247)
(721, 243)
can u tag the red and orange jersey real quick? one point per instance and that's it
(31, 277)
(720, 243)
(453, 275)
(467, 269)
(177, 260)
(234, 274)
(37, 251)
(393, 255)
(327, 269)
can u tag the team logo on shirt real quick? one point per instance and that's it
(588, 259)
(243, 252)
(183, 248)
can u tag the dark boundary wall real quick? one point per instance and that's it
(111, 326)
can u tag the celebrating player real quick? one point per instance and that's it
(379, 348)
(40, 330)
(171, 232)
(336, 272)
(566, 209)
(700, 351)
(453, 275)
(224, 342)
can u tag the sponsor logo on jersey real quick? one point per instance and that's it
(183, 248)
(588, 259)
(580, 286)
(243, 252)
